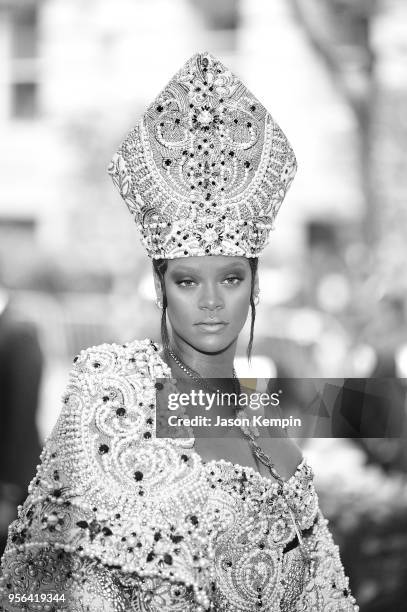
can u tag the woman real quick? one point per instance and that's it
(119, 518)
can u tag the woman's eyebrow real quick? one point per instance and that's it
(184, 271)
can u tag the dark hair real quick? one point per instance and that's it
(160, 267)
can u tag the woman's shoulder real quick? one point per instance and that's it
(136, 357)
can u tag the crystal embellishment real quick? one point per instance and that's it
(206, 168)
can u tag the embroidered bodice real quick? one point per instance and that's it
(119, 520)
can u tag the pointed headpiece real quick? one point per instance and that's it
(205, 170)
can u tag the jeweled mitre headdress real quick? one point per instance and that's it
(205, 170)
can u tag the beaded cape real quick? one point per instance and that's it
(119, 520)
(206, 168)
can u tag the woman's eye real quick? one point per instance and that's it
(232, 280)
(185, 283)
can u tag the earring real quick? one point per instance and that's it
(159, 303)
(256, 299)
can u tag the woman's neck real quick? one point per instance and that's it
(207, 365)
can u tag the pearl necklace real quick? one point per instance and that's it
(197, 377)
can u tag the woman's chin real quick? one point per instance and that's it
(211, 343)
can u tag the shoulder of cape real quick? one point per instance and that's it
(137, 358)
(106, 486)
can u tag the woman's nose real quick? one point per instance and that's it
(210, 298)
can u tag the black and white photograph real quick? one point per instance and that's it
(203, 305)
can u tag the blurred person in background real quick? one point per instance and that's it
(119, 517)
(21, 365)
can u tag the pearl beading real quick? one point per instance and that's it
(206, 169)
(84, 509)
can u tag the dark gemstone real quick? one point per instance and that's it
(120, 411)
(57, 493)
(168, 162)
(105, 398)
(106, 531)
(184, 457)
(150, 556)
(75, 359)
(157, 536)
(345, 592)
(117, 516)
(159, 386)
(160, 108)
(168, 559)
(149, 421)
(176, 538)
(194, 520)
(103, 449)
(141, 493)
(249, 124)
(96, 364)
(231, 153)
(147, 435)
(138, 475)
(247, 164)
(252, 108)
(82, 524)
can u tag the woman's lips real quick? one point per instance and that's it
(212, 326)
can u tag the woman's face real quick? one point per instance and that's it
(208, 299)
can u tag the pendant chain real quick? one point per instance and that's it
(255, 448)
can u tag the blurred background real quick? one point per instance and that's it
(74, 77)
